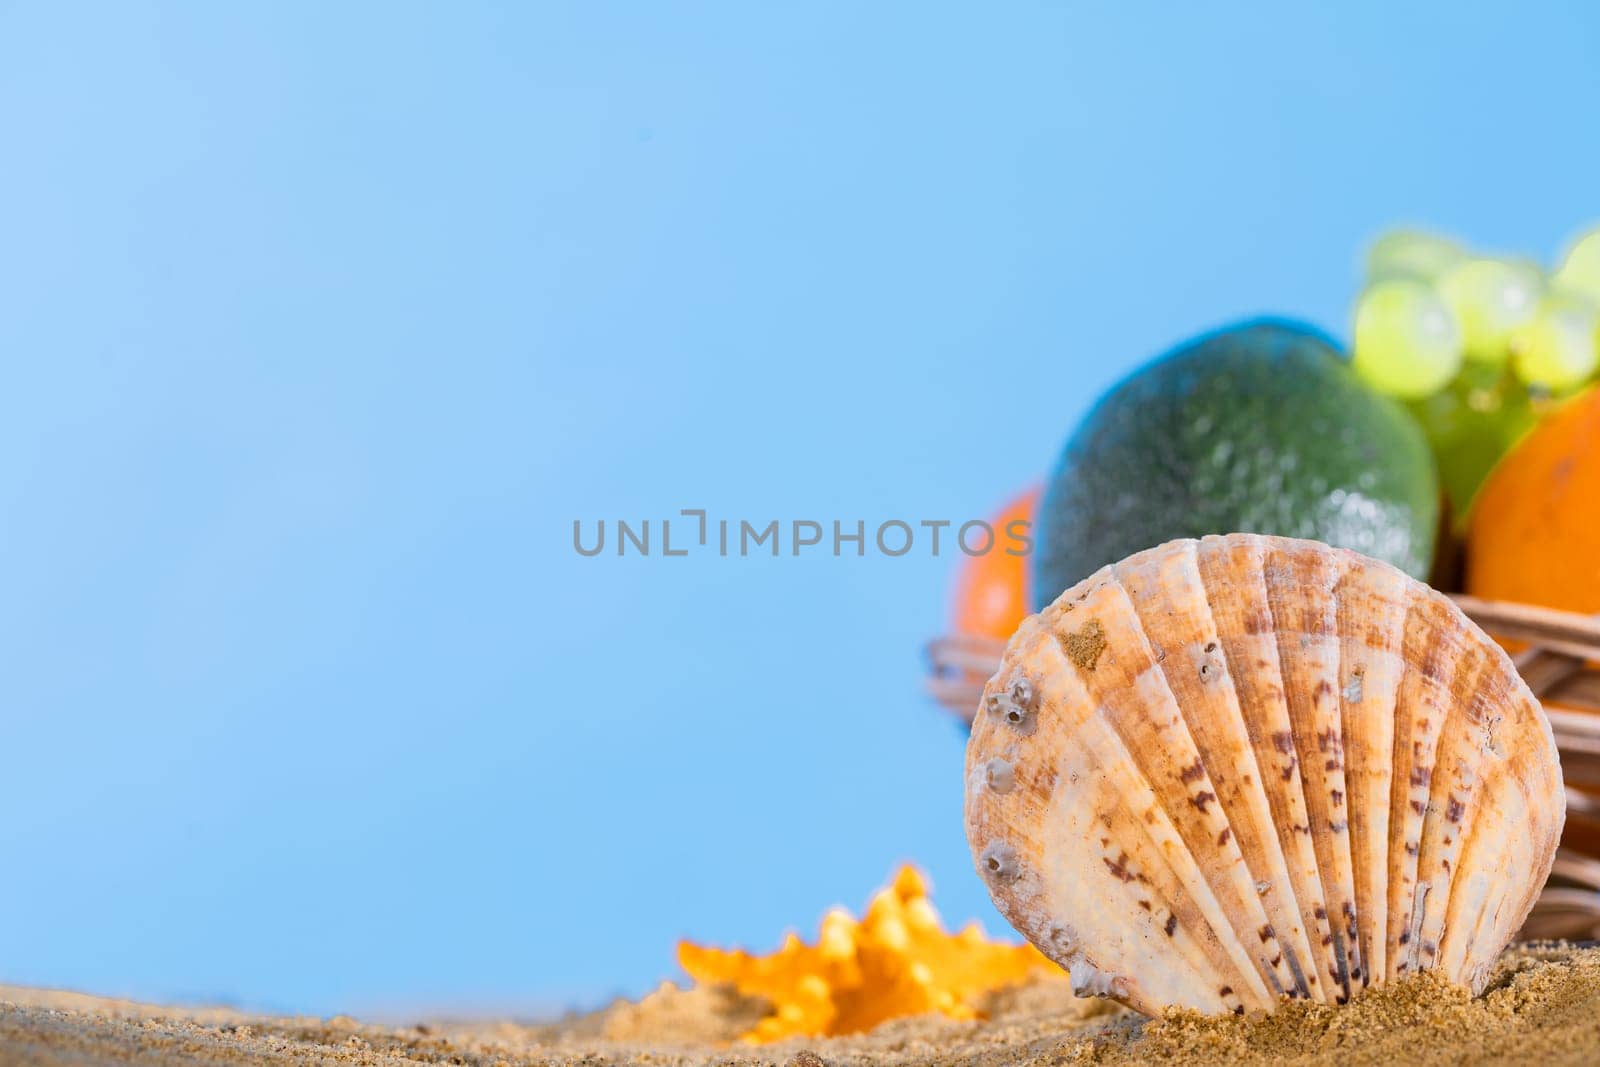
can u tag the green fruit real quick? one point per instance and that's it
(1491, 299)
(1556, 350)
(1412, 254)
(1259, 427)
(1470, 424)
(1579, 272)
(1408, 342)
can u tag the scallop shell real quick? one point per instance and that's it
(1226, 772)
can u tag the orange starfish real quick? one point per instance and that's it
(897, 960)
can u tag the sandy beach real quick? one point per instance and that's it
(1543, 1005)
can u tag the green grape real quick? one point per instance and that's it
(1412, 254)
(1491, 299)
(1557, 349)
(1408, 343)
(1579, 272)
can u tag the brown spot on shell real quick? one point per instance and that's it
(1202, 798)
(1454, 810)
(1084, 645)
(1118, 866)
(1172, 924)
(1266, 933)
(1284, 741)
(1194, 772)
(1336, 795)
(1222, 838)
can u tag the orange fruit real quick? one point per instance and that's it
(991, 596)
(1535, 528)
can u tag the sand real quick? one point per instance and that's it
(1542, 1006)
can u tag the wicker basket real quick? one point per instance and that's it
(1560, 661)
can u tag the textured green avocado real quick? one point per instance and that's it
(1260, 427)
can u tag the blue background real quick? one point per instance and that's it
(322, 323)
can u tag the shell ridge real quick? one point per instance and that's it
(1456, 796)
(1430, 653)
(1414, 923)
(1339, 794)
(1369, 692)
(1311, 741)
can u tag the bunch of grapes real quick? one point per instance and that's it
(1477, 346)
